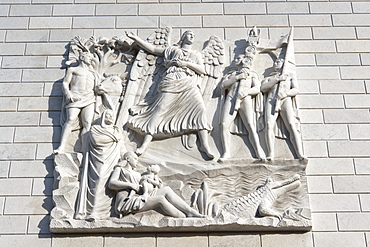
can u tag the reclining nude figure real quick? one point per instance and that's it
(130, 199)
(178, 107)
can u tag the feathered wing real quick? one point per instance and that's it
(214, 58)
(145, 74)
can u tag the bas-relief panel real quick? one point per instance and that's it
(187, 136)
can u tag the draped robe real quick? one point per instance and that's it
(104, 153)
(178, 107)
(127, 200)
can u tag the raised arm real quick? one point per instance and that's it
(145, 45)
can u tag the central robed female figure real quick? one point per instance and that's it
(178, 107)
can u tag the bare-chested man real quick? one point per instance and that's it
(78, 88)
(243, 85)
(280, 88)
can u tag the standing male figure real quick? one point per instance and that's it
(280, 90)
(243, 85)
(78, 88)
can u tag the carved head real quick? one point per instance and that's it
(111, 84)
(131, 159)
(186, 38)
(86, 57)
(283, 186)
(243, 61)
(278, 64)
(154, 169)
(251, 51)
(108, 117)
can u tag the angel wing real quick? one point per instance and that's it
(214, 58)
(145, 70)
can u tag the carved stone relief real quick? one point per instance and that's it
(183, 136)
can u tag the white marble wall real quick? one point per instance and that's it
(332, 41)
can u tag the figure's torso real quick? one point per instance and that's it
(282, 86)
(177, 53)
(82, 82)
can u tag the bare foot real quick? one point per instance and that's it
(195, 214)
(79, 216)
(224, 157)
(262, 160)
(57, 151)
(207, 152)
(261, 157)
(90, 219)
(302, 158)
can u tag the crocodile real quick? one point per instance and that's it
(259, 203)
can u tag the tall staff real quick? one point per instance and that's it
(289, 68)
(280, 89)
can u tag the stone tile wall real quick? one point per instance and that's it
(333, 56)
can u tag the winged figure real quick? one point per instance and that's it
(170, 96)
(146, 69)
